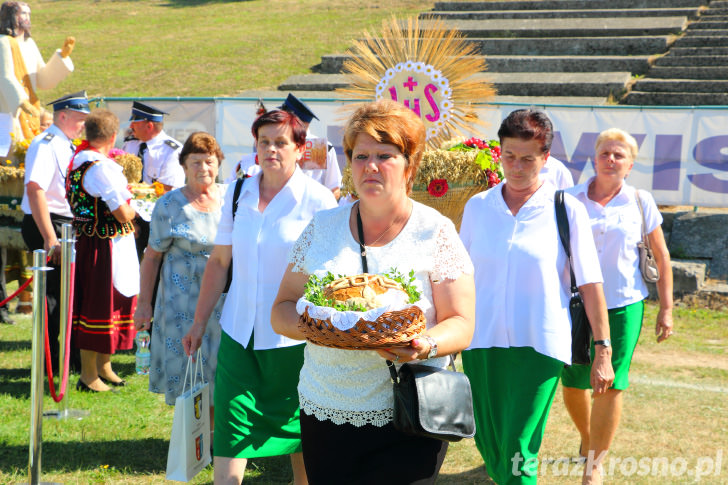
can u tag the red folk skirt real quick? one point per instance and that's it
(102, 317)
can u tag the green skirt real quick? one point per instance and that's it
(513, 389)
(625, 324)
(256, 400)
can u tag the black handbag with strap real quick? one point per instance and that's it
(432, 402)
(580, 327)
(429, 402)
(236, 194)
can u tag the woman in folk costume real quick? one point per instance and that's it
(107, 269)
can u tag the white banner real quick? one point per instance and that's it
(683, 157)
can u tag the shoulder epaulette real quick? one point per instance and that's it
(48, 137)
(171, 143)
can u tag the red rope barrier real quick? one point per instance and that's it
(67, 346)
(19, 290)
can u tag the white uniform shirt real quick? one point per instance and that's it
(617, 228)
(331, 176)
(106, 180)
(46, 163)
(161, 160)
(260, 244)
(354, 386)
(521, 270)
(556, 172)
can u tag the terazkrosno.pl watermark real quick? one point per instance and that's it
(696, 469)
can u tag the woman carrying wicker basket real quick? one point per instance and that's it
(346, 395)
(256, 405)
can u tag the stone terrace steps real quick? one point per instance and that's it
(588, 27)
(568, 4)
(589, 84)
(555, 48)
(695, 70)
(689, 13)
(333, 63)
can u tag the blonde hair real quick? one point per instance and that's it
(391, 123)
(615, 134)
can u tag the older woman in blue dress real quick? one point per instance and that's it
(616, 224)
(522, 331)
(256, 405)
(182, 231)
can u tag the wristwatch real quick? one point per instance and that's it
(433, 346)
(605, 343)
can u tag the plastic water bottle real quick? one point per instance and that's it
(143, 357)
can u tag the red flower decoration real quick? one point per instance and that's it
(438, 187)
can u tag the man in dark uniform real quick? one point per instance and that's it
(44, 199)
(159, 153)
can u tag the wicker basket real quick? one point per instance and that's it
(391, 329)
(450, 205)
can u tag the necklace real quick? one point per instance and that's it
(360, 228)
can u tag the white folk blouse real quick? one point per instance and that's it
(106, 180)
(617, 228)
(260, 245)
(522, 272)
(354, 386)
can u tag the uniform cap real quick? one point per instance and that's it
(295, 106)
(141, 111)
(75, 102)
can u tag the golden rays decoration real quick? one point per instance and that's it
(427, 67)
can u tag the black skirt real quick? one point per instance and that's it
(344, 453)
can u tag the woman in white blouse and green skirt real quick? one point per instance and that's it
(617, 224)
(522, 333)
(256, 404)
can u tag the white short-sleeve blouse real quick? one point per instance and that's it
(106, 181)
(522, 272)
(260, 245)
(354, 386)
(617, 228)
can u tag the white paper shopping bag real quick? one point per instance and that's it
(189, 445)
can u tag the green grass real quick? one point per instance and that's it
(125, 438)
(200, 48)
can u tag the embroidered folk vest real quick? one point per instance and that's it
(91, 215)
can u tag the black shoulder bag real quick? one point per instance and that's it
(580, 328)
(236, 194)
(429, 402)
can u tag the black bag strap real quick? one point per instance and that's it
(362, 249)
(236, 193)
(562, 221)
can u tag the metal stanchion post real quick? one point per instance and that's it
(68, 257)
(36, 371)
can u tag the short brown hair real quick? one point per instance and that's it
(101, 125)
(201, 142)
(391, 123)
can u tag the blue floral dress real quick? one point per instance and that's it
(185, 235)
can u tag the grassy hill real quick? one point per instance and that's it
(200, 48)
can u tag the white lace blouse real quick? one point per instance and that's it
(353, 386)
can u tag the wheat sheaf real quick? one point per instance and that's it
(425, 45)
